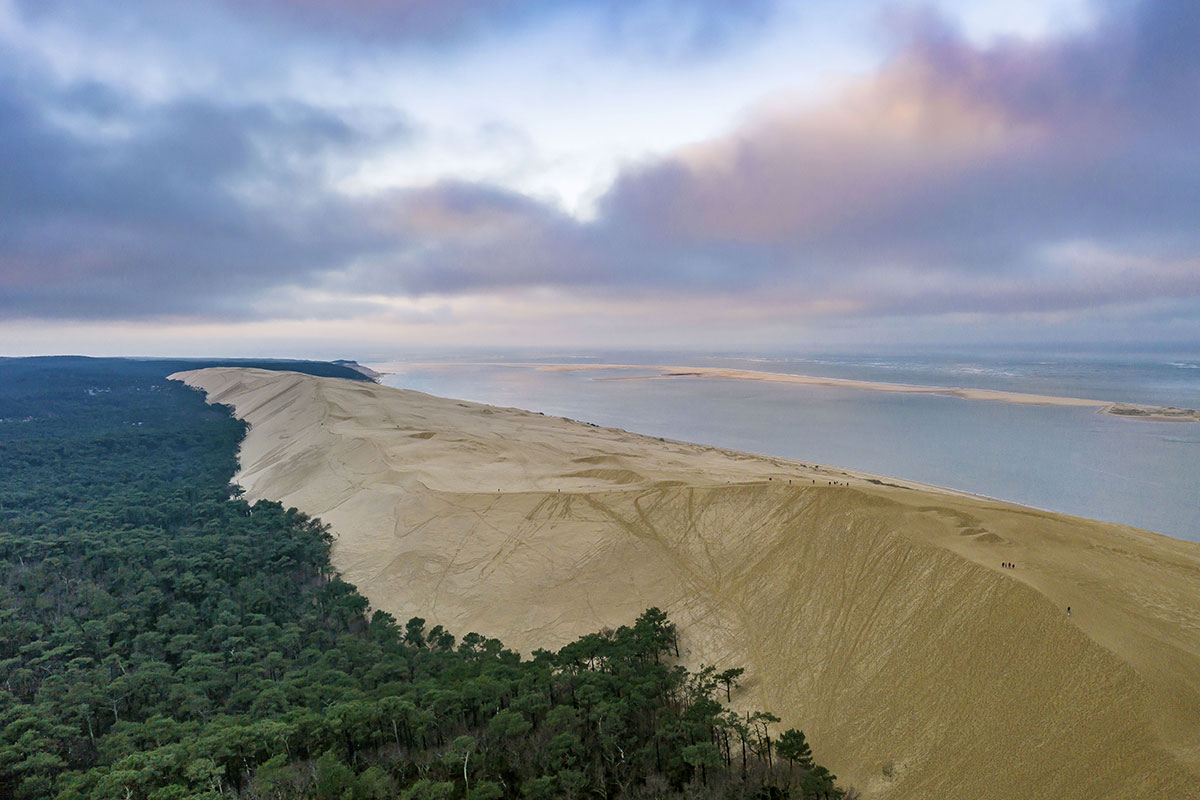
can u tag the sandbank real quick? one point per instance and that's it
(660, 372)
(871, 612)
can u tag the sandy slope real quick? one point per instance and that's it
(875, 615)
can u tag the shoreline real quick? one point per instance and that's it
(826, 470)
(1131, 411)
(535, 528)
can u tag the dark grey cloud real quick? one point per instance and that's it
(1050, 175)
(653, 27)
(110, 208)
(671, 28)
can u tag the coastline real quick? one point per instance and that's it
(835, 588)
(1130, 411)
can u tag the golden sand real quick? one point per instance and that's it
(871, 612)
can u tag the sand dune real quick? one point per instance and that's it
(872, 613)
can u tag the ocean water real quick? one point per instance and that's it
(1070, 460)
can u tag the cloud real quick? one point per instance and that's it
(464, 236)
(111, 208)
(1016, 177)
(673, 28)
(951, 155)
(947, 177)
(664, 27)
(954, 179)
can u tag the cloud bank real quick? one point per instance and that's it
(1016, 177)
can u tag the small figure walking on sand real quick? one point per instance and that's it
(1068, 611)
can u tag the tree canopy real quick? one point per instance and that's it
(161, 638)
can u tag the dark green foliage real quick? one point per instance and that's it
(794, 747)
(160, 638)
(818, 782)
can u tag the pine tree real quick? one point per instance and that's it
(794, 747)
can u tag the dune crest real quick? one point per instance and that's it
(872, 613)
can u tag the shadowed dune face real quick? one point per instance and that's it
(874, 615)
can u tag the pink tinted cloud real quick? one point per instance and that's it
(936, 123)
(950, 172)
(1044, 175)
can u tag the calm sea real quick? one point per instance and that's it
(1070, 460)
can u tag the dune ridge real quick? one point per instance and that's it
(871, 612)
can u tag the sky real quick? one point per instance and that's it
(365, 177)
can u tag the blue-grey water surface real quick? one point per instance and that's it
(1071, 460)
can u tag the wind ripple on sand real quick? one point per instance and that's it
(872, 613)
